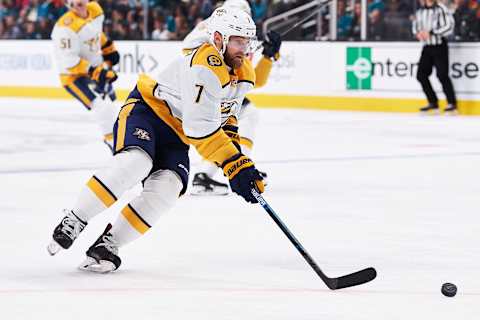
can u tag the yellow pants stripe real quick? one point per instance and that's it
(101, 191)
(85, 100)
(135, 220)
(246, 142)
(122, 125)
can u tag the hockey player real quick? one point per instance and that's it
(189, 103)
(203, 181)
(85, 58)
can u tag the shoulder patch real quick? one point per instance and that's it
(214, 60)
(207, 56)
(71, 21)
(67, 21)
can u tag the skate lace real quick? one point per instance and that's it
(71, 226)
(109, 243)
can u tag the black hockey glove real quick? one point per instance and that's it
(102, 75)
(242, 176)
(271, 46)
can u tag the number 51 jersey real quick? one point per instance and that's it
(77, 41)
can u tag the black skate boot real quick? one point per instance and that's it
(102, 256)
(66, 232)
(451, 109)
(202, 184)
(430, 109)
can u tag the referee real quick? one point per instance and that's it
(432, 24)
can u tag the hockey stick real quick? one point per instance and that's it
(302, 21)
(315, 12)
(349, 280)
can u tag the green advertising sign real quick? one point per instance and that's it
(359, 68)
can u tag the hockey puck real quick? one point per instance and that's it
(449, 289)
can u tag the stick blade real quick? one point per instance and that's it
(353, 279)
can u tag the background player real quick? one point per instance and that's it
(203, 181)
(85, 58)
(188, 103)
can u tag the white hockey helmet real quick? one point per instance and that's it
(70, 3)
(231, 22)
(239, 4)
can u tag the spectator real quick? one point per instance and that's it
(376, 25)
(259, 11)
(12, 30)
(160, 31)
(45, 28)
(344, 21)
(355, 31)
(30, 31)
(465, 21)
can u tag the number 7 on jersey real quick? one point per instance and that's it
(200, 90)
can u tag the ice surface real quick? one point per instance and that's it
(396, 192)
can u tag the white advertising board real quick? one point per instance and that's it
(305, 68)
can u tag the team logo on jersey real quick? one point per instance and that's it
(229, 107)
(142, 134)
(233, 80)
(214, 61)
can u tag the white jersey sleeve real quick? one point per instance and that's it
(197, 36)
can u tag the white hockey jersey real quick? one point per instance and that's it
(197, 94)
(199, 35)
(77, 41)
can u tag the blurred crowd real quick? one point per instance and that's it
(173, 19)
(391, 20)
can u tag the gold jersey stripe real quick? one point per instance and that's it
(216, 147)
(101, 191)
(135, 219)
(122, 124)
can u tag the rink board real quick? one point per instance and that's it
(318, 75)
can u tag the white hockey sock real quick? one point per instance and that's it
(105, 113)
(125, 170)
(159, 195)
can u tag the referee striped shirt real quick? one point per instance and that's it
(437, 20)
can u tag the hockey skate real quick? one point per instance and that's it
(203, 185)
(102, 256)
(430, 109)
(66, 232)
(451, 110)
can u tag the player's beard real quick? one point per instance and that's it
(234, 62)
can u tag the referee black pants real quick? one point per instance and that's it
(435, 56)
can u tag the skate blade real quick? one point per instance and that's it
(53, 248)
(430, 113)
(91, 265)
(201, 191)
